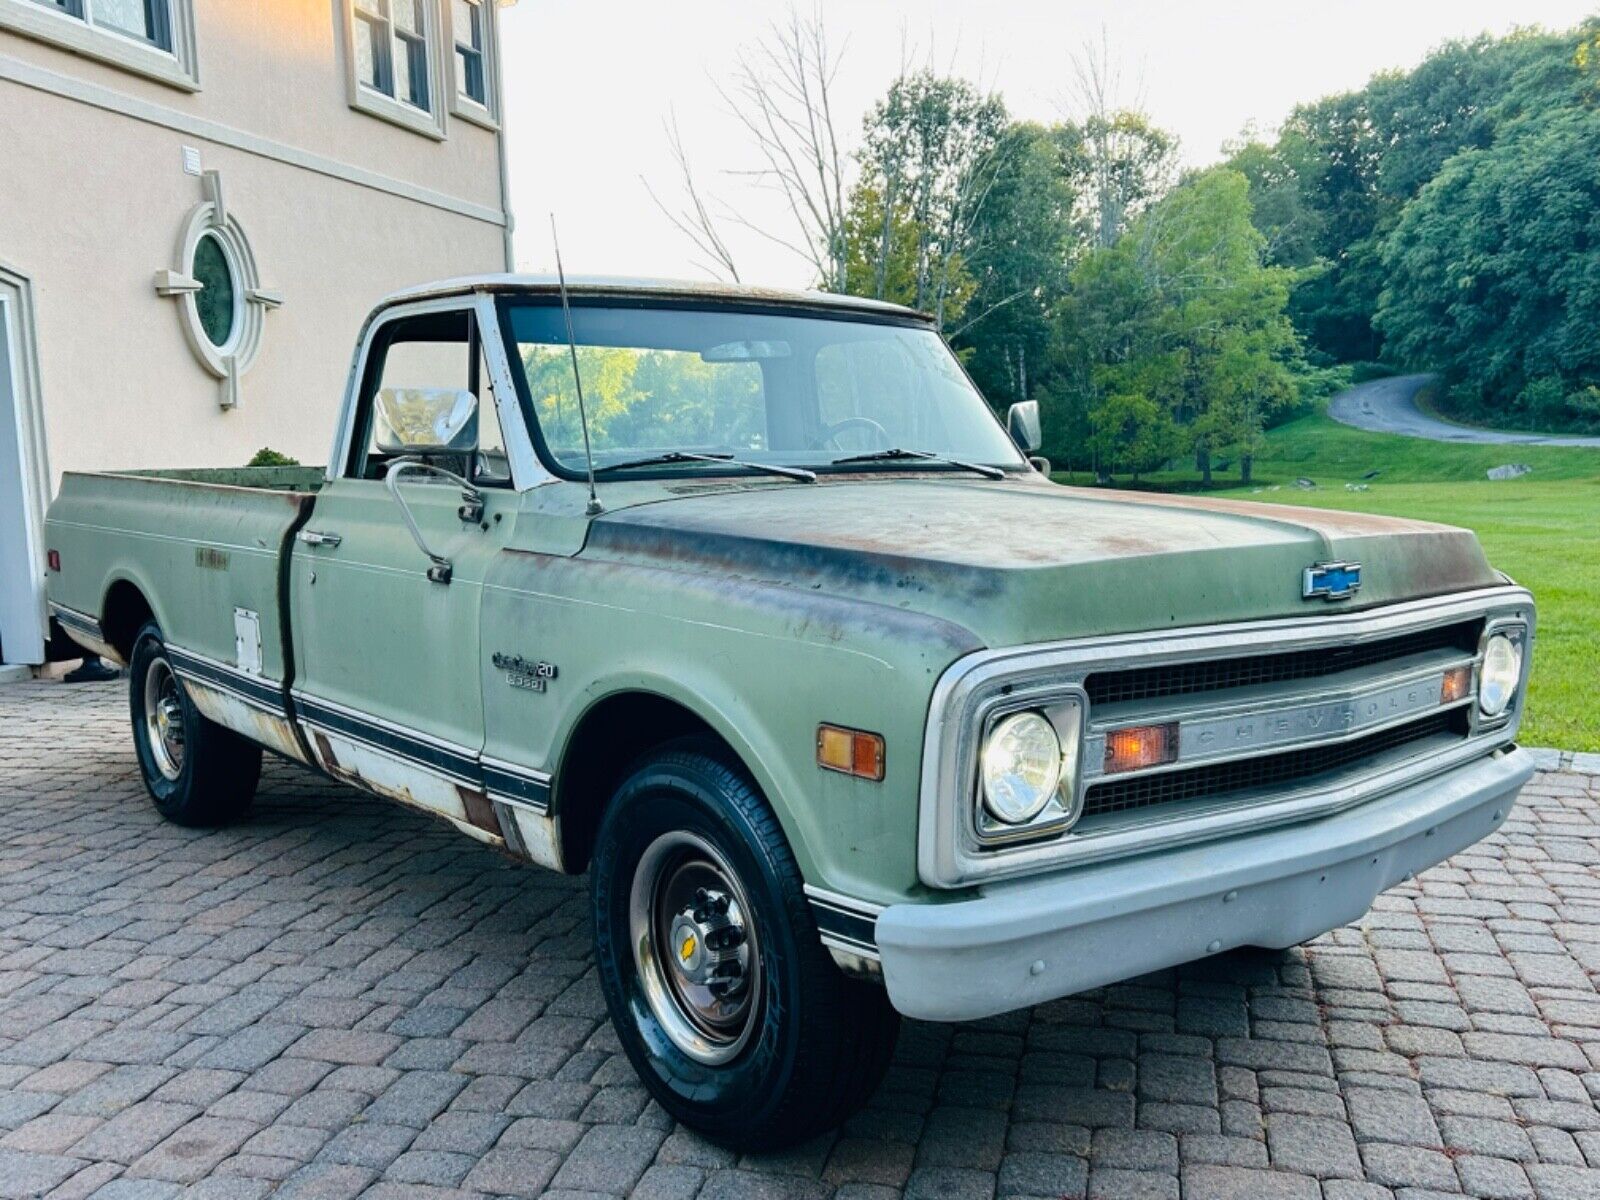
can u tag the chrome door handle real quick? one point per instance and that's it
(312, 537)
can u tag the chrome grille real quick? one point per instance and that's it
(1178, 679)
(1294, 768)
(1273, 721)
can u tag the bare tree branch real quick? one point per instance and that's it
(781, 93)
(694, 221)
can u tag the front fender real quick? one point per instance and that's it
(761, 663)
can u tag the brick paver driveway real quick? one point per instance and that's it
(342, 996)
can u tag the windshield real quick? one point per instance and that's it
(784, 389)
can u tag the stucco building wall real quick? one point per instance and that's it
(121, 387)
(339, 208)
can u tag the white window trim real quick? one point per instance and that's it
(386, 108)
(465, 107)
(178, 67)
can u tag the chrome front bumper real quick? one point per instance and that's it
(1023, 942)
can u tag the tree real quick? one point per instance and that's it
(929, 161)
(1280, 204)
(1181, 314)
(782, 93)
(1494, 274)
(1125, 160)
(1132, 433)
(1023, 244)
(1343, 168)
(694, 219)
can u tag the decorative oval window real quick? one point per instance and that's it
(217, 300)
(213, 279)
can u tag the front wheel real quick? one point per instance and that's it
(197, 772)
(723, 996)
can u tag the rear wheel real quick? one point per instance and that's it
(197, 772)
(723, 996)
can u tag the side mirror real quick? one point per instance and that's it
(1022, 423)
(425, 421)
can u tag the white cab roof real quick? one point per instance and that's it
(623, 286)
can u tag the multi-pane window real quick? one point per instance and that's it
(145, 20)
(391, 49)
(467, 19)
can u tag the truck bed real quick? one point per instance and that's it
(202, 552)
(270, 479)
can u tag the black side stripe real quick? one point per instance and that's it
(82, 622)
(499, 779)
(502, 780)
(459, 766)
(254, 689)
(856, 929)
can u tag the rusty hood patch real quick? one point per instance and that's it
(1023, 561)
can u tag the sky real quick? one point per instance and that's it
(590, 83)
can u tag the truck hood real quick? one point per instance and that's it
(1023, 561)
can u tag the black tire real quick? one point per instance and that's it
(207, 775)
(818, 1042)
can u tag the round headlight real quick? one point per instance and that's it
(1021, 767)
(1497, 678)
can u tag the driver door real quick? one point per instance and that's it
(388, 681)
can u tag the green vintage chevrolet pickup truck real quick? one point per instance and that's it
(847, 710)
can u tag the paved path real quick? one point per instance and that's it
(1390, 406)
(340, 997)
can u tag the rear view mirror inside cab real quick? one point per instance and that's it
(745, 351)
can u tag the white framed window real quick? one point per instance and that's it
(154, 38)
(474, 64)
(222, 305)
(393, 63)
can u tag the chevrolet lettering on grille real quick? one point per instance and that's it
(1231, 735)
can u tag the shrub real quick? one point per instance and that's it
(268, 457)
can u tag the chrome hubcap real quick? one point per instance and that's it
(694, 942)
(163, 719)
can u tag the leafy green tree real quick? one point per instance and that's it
(1023, 242)
(1125, 163)
(1132, 433)
(1281, 206)
(1182, 314)
(1343, 168)
(1494, 274)
(929, 162)
(886, 255)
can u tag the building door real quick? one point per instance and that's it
(22, 485)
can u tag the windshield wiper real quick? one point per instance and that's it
(899, 455)
(683, 456)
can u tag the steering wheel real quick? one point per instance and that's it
(830, 435)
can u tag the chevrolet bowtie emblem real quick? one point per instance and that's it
(1331, 581)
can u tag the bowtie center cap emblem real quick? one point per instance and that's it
(1331, 581)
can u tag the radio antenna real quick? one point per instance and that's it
(594, 508)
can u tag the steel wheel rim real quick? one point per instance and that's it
(693, 931)
(163, 719)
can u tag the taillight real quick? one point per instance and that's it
(53, 557)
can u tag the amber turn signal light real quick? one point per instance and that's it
(1140, 746)
(1456, 686)
(850, 752)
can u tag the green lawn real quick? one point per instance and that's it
(1543, 530)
